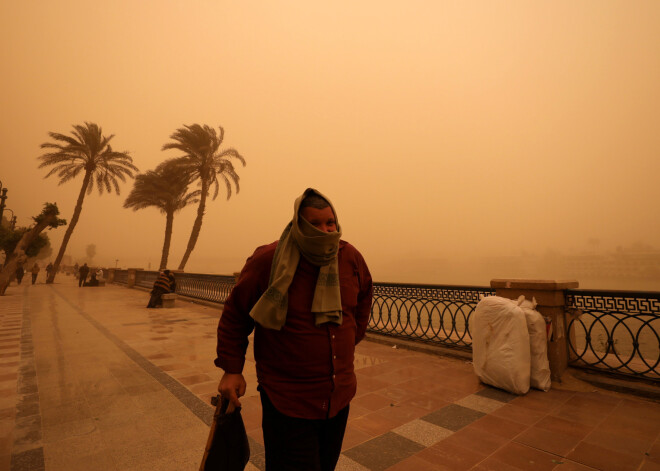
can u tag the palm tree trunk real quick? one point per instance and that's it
(70, 227)
(197, 226)
(168, 239)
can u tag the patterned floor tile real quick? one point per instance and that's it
(384, 451)
(496, 394)
(480, 403)
(347, 464)
(453, 417)
(423, 432)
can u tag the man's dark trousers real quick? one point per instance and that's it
(294, 444)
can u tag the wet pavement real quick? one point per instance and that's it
(91, 379)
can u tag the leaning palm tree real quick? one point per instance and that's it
(86, 151)
(166, 189)
(204, 162)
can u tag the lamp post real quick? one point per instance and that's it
(3, 197)
(116, 261)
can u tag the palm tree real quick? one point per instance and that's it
(87, 150)
(203, 161)
(164, 188)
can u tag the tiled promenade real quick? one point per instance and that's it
(92, 380)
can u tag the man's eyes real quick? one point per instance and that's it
(330, 222)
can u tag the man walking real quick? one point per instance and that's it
(20, 271)
(308, 299)
(35, 272)
(82, 275)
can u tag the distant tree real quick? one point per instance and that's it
(203, 162)
(9, 240)
(91, 251)
(166, 189)
(89, 152)
(48, 218)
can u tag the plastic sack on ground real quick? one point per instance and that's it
(538, 345)
(500, 344)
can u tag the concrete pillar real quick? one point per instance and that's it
(130, 279)
(111, 275)
(550, 296)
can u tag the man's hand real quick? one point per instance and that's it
(232, 386)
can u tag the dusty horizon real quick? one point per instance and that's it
(442, 132)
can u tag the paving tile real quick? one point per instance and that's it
(493, 464)
(451, 456)
(453, 417)
(32, 460)
(480, 403)
(346, 464)
(384, 451)
(415, 463)
(602, 458)
(633, 445)
(545, 440)
(400, 413)
(374, 424)
(476, 440)
(352, 436)
(567, 465)
(649, 466)
(498, 425)
(372, 401)
(423, 432)
(526, 458)
(496, 394)
(518, 414)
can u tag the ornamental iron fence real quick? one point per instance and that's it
(615, 331)
(435, 314)
(121, 277)
(212, 288)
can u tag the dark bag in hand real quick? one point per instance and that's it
(227, 448)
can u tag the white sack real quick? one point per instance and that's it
(538, 345)
(500, 344)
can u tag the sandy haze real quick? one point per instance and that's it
(459, 140)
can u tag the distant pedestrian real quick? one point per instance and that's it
(82, 275)
(35, 272)
(19, 274)
(76, 267)
(165, 283)
(49, 270)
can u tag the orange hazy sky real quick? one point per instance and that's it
(439, 128)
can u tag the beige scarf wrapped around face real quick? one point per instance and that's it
(319, 248)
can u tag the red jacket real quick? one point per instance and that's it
(306, 371)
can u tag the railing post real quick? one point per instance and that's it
(550, 296)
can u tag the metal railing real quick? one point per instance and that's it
(436, 314)
(145, 278)
(121, 277)
(615, 331)
(213, 288)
